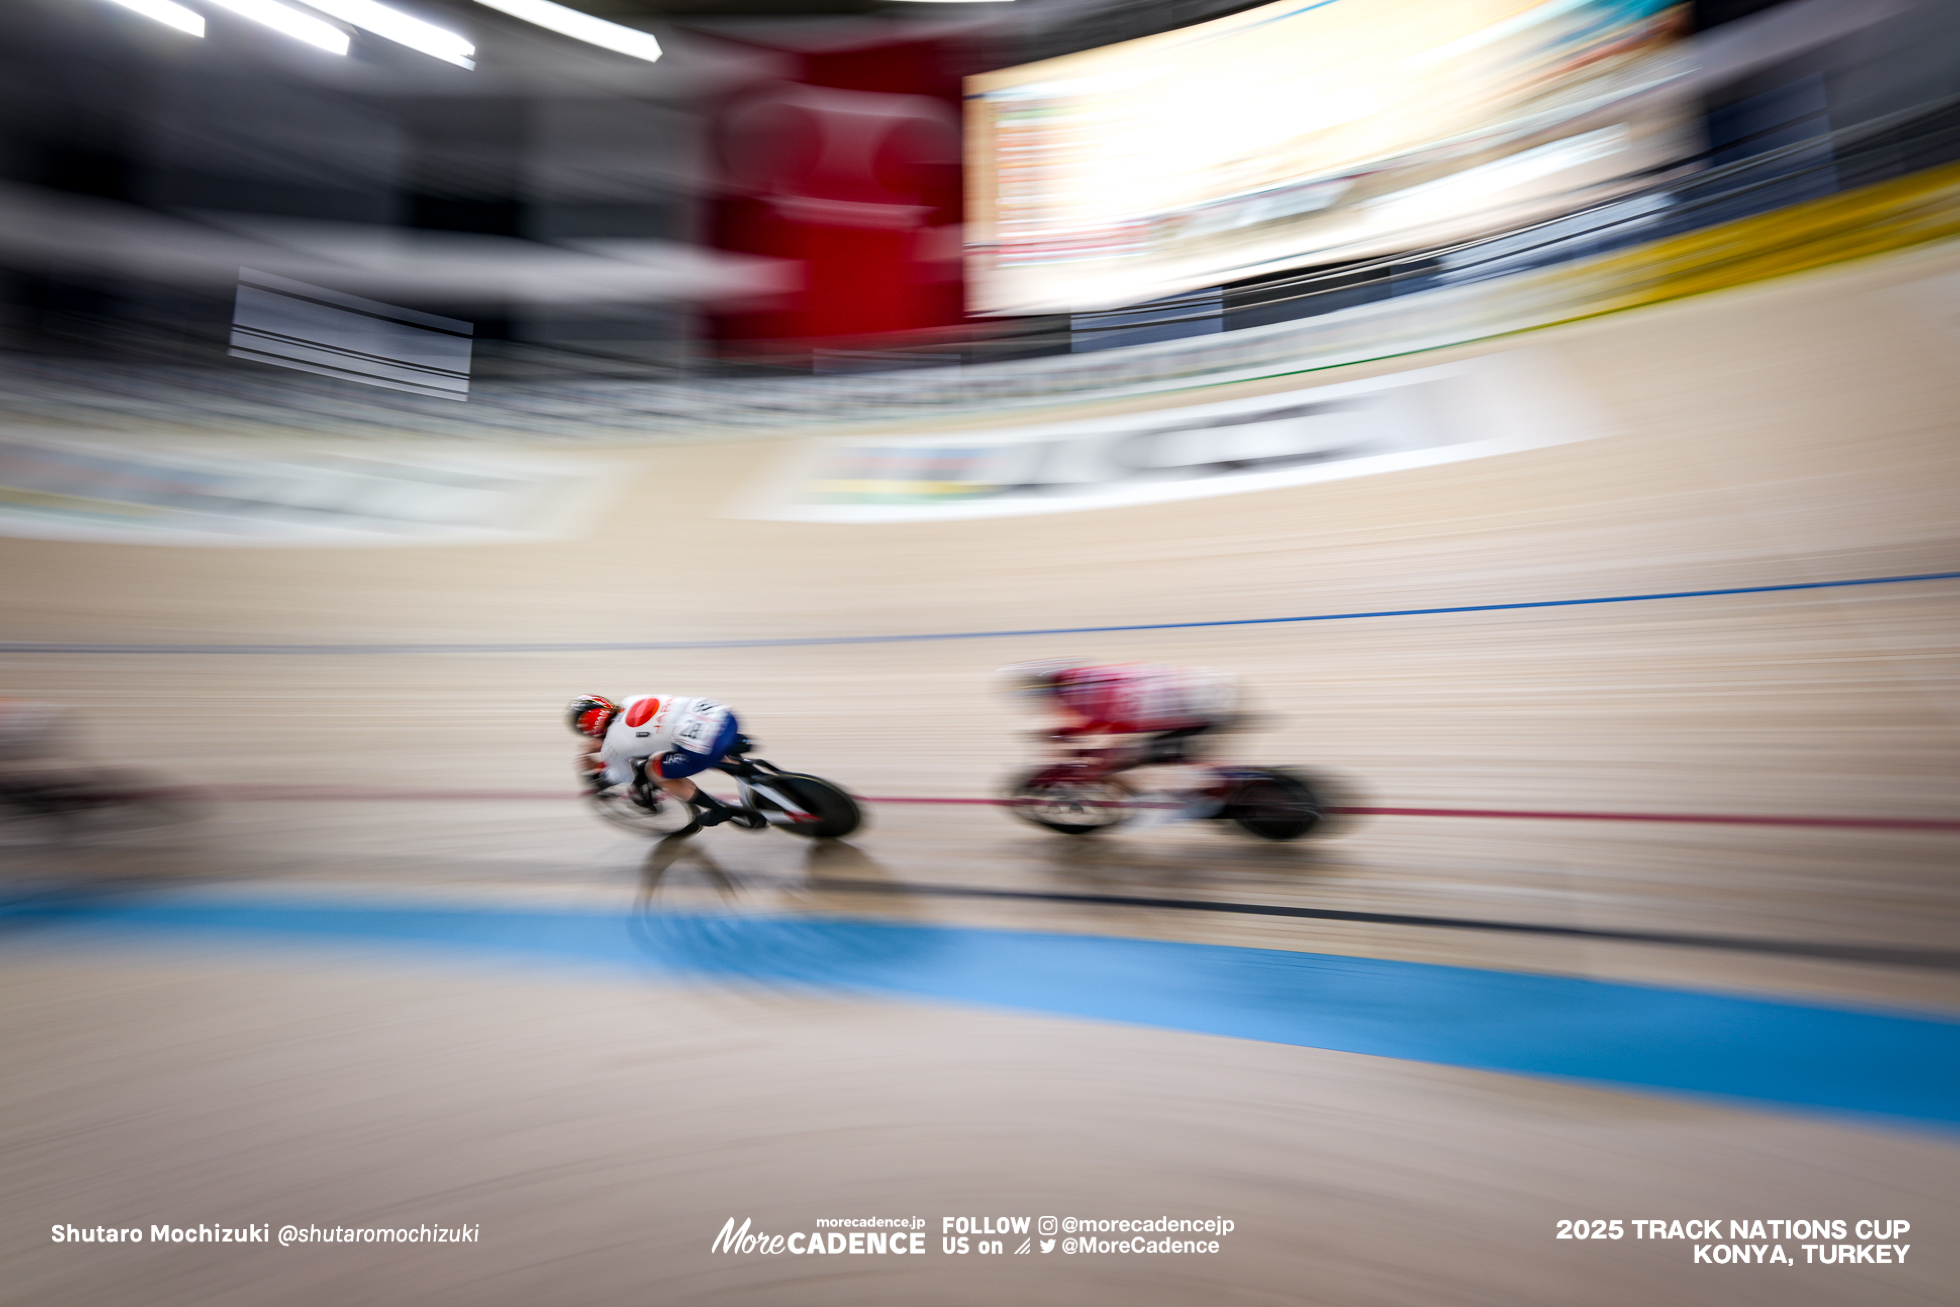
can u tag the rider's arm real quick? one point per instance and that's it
(1068, 721)
(591, 767)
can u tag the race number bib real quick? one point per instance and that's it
(700, 728)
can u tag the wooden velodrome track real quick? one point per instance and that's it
(601, 1130)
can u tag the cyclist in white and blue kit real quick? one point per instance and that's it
(678, 737)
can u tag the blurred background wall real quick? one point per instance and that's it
(759, 202)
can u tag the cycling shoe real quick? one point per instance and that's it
(746, 818)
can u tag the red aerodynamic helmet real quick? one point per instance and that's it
(1042, 677)
(591, 714)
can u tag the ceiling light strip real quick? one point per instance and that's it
(292, 22)
(580, 26)
(401, 28)
(171, 15)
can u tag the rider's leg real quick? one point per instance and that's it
(1180, 790)
(1119, 763)
(1194, 780)
(684, 789)
(712, 810)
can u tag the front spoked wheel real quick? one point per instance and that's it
(1069, 805)
(662, 814)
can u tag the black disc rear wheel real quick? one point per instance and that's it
(86, 803)
(836, 812)
(1274, 806)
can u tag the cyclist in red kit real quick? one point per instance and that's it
(1130, 715)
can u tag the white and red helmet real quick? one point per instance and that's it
(591, 714)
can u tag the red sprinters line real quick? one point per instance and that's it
(357, 794)
(1709, 818)
(1706, 818)
(337, 793)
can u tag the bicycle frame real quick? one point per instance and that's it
(1110, 762)
(747, 776)
(750, 777)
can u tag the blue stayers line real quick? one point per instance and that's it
(787, 642)
(1891, 1065)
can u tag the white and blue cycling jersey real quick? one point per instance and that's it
(679, 734)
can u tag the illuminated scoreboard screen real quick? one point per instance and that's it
(1298, 134)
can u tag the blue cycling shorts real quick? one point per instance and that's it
(676, 763)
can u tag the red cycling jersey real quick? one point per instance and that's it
(1136, 699)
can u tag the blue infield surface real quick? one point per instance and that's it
(1903, 1066)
